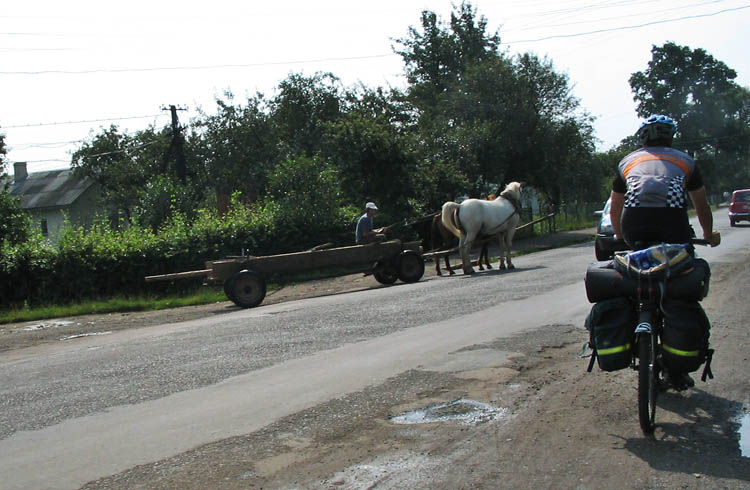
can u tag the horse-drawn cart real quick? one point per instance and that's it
(244, 277)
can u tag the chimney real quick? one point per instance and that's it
(19, 171)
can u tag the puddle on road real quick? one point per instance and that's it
(464, 410)
(80, 335)
(745, 435)
(50, 324)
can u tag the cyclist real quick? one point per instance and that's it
(649, 201)
(649, 197)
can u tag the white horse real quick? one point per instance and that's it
(475, 217)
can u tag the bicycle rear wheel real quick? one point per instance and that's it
(647, 382)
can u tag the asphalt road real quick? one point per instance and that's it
(84, 409)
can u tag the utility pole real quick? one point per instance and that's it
(176, 147)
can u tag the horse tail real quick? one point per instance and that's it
(450, 217)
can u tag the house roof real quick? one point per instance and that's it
(51, 189)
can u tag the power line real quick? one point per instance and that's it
(366, 57)
(56, 144)
(79, 122)
(208, 67)
(622, 28)
(619, 17)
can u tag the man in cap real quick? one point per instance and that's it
(365, 232)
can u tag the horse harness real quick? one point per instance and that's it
(505, 195)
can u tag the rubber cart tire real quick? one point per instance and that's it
(385, 273)
(410, 266)
(248, 288)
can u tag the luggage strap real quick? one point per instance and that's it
(592, 356)
(707, 368)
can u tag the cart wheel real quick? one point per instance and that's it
(385, 273)
(229, 288)
(410, 266)
(248, 288)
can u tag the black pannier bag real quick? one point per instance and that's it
(611, 324)
(603, 281)
(685, 336)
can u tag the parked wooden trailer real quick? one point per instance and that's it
(244, 278)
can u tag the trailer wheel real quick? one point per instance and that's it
(410, 266)
(228, 288)
(247, 288)
(385, 273)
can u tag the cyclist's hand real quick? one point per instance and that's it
(714, 239)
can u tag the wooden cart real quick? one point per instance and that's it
(244, 278)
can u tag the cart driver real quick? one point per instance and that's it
(365, 232)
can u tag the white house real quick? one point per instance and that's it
(50, 196)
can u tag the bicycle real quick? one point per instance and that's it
(646, 352)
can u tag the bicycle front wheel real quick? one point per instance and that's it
(647, 382)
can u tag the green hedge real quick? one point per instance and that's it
(99, 262)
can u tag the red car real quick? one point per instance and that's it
(739, 207)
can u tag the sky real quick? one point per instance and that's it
(69, 69)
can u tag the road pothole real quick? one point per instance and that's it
(463, 410)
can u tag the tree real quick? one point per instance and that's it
(235, 148)
(3, 153)
(305, 199)
(300, 111)
(712, 111)
(15, 223)
(436, 58)
(371, 151)
(121, 164)
(496, 118)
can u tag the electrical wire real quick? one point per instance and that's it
(79, 122)
(567, 11)
(623, 28)
(207, 67)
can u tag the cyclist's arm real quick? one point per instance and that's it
(703, 211)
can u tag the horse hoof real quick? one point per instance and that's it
(452, 273)
(511, 266)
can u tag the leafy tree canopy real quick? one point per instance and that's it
(712, 110)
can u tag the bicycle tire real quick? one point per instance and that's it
(647, 382)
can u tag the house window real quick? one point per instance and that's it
(43, 225)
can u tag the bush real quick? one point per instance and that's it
(101, 262)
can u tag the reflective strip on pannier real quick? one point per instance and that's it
(611, 323)
(685, 335)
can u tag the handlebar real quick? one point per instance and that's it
(695, 241)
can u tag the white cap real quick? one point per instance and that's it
(371, 205)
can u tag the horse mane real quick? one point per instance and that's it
(512, 193)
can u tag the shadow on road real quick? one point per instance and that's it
(707, 443)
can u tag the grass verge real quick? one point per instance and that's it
(200, 297)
